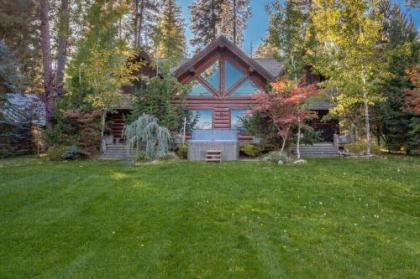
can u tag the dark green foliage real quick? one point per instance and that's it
(276, 156)
(251, 150)
(211, 18)
(11, 78)
(161, 97)
(77, 128)
(288, 22)
(391, 123)
(15, 139)
(413, 144)
(19, 29)
(73, 152)
(56, 152)
(169, 37)
(169, 157)
(182, 151)
(262, 127)
(309, 135)
(142, 157)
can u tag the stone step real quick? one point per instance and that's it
(318, 150)
(118, 148)
(214, 156)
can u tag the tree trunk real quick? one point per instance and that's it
(136, 22)
(367, 117)
(140, 23)
(283, 145)
(213, 20)
(62, 46)
(46, 62)
(234, 22)
(298, 141)
(103, 122)
(367, 124)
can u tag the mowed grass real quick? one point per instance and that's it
(331, 218)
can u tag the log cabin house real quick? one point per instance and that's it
(224, 83)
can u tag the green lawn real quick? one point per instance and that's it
(332, 218)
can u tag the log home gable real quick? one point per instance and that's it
(224, 83)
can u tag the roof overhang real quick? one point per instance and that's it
(222, 44)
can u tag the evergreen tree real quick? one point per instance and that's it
(169, 35)
(212, 18)
(205, 20)
(402, 50)
(11, 79)
(19, 29)
(233, 19)
(412, 106)
(266, 50)
(287, 29)
(145, 17)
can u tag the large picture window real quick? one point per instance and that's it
(199, 90)
(223, 78)
(246, 88)
(212, 75)
(232, 74)
(236, 116)
(204, 118)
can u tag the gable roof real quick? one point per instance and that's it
(269, 69)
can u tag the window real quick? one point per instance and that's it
(236, 116)
(246, 88)
(199, 90)
(204, 119)
(212, 75)
(232, 75)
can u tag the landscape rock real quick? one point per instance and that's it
(300, 162)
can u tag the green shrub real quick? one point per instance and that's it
(182, 151)
(171, 156)
(73, 152)
(56, 153)
(276, 156)
(251, 150)
(360, 147)
(142, 157)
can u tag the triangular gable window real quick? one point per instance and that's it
(246, 88)
(212, 75)
(199, 90)
(232, 75)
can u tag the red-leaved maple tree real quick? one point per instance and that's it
(283, 105)
(412, 96)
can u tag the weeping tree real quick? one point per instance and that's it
(145, 135)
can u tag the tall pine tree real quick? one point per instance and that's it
(145, 15)
(19, 29)
(212, 18)
(287, 29)
(169, 35)
(233, 19)
(205, 18)
(391, 122)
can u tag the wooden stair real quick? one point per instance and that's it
(318, 150)
(214, 156)
(117, 126)
(116, 152)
